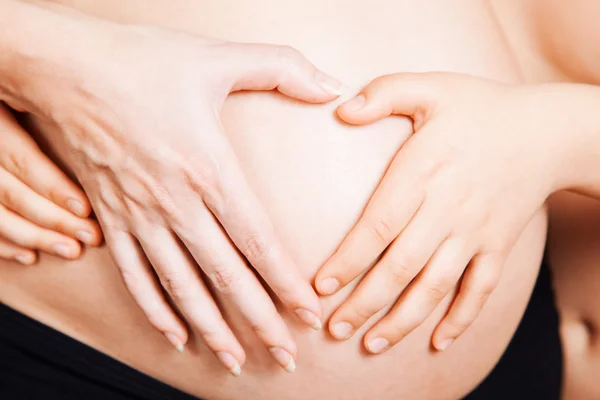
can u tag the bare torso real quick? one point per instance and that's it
(314, 175)
(557, 41)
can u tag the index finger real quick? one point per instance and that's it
(390, 209)
(23, 158)
(243, 217)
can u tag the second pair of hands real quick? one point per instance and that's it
(143, 136)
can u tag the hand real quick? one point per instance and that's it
(139, 117)
(40, 207)
(452, 204)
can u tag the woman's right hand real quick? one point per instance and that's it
(137, 109)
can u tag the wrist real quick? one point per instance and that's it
(574, 114)
(40, 49)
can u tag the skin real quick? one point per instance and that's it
(557, 46)
(40, 207)
(468, 203)
(172, 177)
(314, 175)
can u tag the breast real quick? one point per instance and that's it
(314, 175)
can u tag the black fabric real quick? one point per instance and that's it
(532, 364)
(38, 362)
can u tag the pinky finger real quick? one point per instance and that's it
(11, 251)
(144, 288)
(479, 281)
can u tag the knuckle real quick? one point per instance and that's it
(129, 278)
(177, 285)
(381, 82)
(257, 250)
(402, 325)
(459, 324)
(383, 230)
(204, 178)
(18, 163)
(399, 269)
(211, 338)
(288, 56)
(361, 312)
(439, 288)
(9, 198)
(488, 285)
(259, 328)
(165, 201)
(226, 280)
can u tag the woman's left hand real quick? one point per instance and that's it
(452, 204)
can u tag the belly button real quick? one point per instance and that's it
(591, 330)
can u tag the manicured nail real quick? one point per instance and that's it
(356, 103)
(76, 208)
(378, 345)
(309, 318)
(84, 236)
(445, 344)
(174, 341)
(230, 363)
(61, 250)
(25, 259)
(284, 359)
(342, 330)
(329, 286)
(328, 84)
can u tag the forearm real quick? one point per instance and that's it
(574, 114)
(38, 48)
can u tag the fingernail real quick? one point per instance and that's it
(284, 359)
(342, 330)
(84, 236)
(61, 250)
(174, 341)
(356, 103)
(76, 207)
(378, 345)
(309, 318)
(329, 286)
(328, 84)
(25, 259)
(230, 363)
(445, 344)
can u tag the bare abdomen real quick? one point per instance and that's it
(314, 176)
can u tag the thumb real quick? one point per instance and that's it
(267, 67)
(409, 94)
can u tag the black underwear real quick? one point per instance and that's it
(38, 362)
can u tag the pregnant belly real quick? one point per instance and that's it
(314, 175)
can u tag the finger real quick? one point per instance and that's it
(180, 277)
(267, 67)
(235, 283)
(145, 290)
(18, 197)
(438, 278)
(26, 234)
(242, 216)
(409, 94)
(479, 281)
(26, 161)
(10, 251)
(392, 206)
(403, 260)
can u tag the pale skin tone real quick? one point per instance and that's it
(157, 168)
(41, 209)
(485, 286)
(456, 213)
